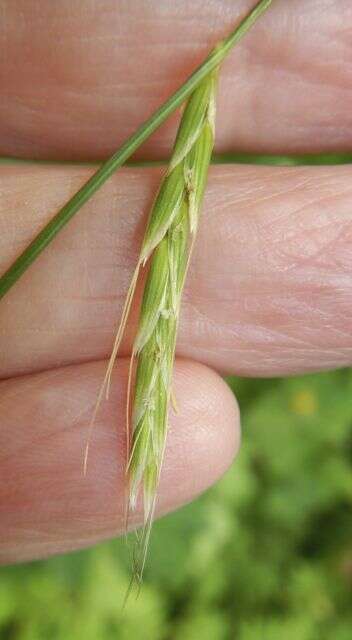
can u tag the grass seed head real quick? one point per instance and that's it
(167, 242)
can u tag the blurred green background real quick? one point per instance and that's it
(266, 554)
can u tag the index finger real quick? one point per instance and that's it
(78, 78)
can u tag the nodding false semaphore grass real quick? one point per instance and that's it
(167, 247)
(168, 239)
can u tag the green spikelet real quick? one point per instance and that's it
(167, 243)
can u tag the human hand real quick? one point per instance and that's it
(269, 289)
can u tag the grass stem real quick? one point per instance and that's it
(48, 233)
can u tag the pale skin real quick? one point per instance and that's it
(269, 290)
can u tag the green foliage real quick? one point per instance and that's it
(264, 555)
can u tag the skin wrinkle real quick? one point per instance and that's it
(264, 336)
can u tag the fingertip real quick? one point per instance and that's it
(204, 436)
(48, 505)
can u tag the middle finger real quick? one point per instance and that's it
(269, 290)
